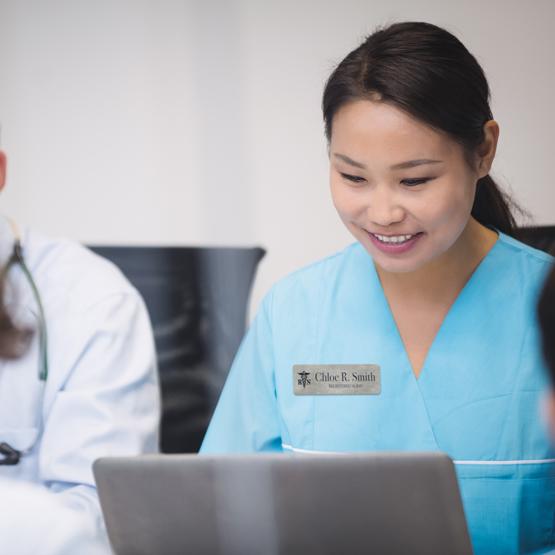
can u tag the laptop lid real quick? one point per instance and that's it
(282, 504)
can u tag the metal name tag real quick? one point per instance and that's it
(336, 379)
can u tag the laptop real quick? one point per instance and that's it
(264, 504)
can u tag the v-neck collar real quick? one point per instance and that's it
(475, 278)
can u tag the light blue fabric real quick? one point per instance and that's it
(476, 398)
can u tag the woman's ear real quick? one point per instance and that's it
(486, 151)
(2, 170)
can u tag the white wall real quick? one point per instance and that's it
(198, 122)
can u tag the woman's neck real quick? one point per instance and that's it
(447, 274)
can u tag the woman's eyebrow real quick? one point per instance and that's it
(349, 161)
(413, 163)
(399, 166)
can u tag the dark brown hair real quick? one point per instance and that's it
(13, 340)
(428, 73)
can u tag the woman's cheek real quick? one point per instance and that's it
(345, 202)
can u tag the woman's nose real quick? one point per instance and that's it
(383, 208)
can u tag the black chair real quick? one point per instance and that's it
(540, 237)
(197, 300)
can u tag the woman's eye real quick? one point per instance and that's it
(352, 178)
(414, 182)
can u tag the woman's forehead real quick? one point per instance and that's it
(381, 131)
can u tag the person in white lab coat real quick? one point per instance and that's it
(33, 520)
(87, 385)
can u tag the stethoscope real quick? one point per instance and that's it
(10, 455)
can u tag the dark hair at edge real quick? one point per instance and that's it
(427, 72)
(14, 341)
(546, 316)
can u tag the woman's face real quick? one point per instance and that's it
(402, 189)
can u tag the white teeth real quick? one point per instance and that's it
(393, 238)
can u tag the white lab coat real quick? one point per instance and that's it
(33, 520)
(101, 397)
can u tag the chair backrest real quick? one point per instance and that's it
(197, 299)
(540, 237)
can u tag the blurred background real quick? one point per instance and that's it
(175, 122)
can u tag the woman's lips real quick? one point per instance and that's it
(395, 244)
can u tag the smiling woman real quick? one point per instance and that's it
(435, 298)
(437, 82)
(418, 208)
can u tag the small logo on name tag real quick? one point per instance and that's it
(336, 379)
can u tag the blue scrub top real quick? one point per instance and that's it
(476, 398)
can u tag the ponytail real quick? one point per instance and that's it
(494, 208)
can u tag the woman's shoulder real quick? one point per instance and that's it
(522, 271)
(524, 257)
(524, 250)
(305, 285)
(324, 267)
